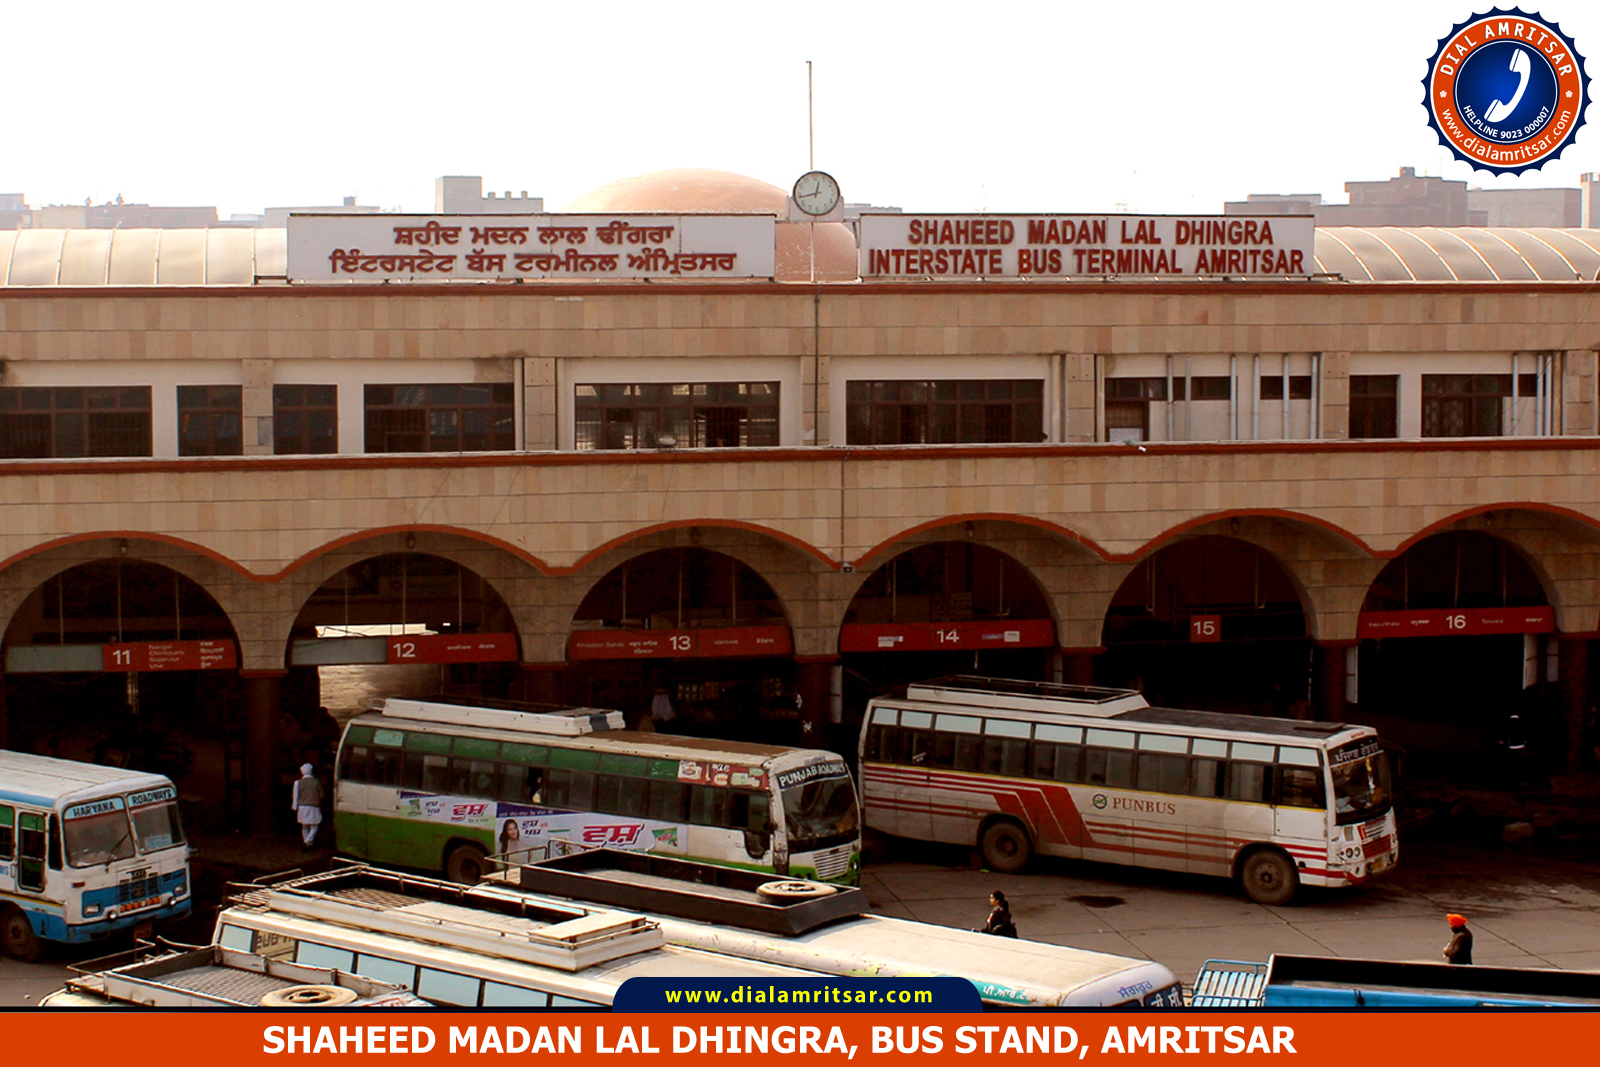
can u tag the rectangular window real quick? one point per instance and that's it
(1463, 405)
(1209, 387)
(1374, 405)
(1161, 772)
(691, 414)
(1128, 407)
(64, 422)
(210, 420)
(443, 987)
(7, 831)
(440, 418)
(944, 412)
(305, 420)
(1299, 387)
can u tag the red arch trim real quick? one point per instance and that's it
(1512, 505)
(1065, 533)
(1165, 537)
(134, 535)
(678, 524)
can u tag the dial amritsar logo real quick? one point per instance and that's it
(1506, 91)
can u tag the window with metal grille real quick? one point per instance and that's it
(210, 419)
(58, 422)
(1463, 405)
(691, 414)
(944, 412)
(305, 419)
(1374, 405)
(440, 418)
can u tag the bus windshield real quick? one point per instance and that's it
(157, 826)
(1361, 787)
(98, 838)
(820, 812)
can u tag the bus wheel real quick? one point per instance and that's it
(467, 864)
(17, 938)
(1005, 847)
(1269, 877)
(793, 892)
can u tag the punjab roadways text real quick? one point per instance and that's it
(781, 1040)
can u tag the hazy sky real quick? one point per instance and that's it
(996, 105)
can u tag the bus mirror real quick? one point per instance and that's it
(756, 843)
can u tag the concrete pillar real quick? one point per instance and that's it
(1328, 679)
(814, 684)
(542, 683)
(261, 709)
(1574, 698)
(1077, 665)
(255, 401)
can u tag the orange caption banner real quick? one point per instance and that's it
(209, 1038)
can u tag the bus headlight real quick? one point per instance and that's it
(166, 900)
(91, 909)
(181, 887)
(111, 915)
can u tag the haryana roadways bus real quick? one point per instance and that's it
(1016, 768)
(828, 930)
(85, 850)
(444, 786)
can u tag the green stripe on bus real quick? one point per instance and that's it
(664, 768)
(532, 755)
(477, 747)
(421, 742)
(576, 759)
(633, 766)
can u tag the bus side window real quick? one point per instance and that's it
(1109, 767)
(236, 937)
(354, 766)
(8, 817)
(1248, 781)
(580, 794)
(54, 844)
(384, 766)
(1163, 772)
(608, 794)
(631, 797)
(669, 801)
(1299, 787)
(708, 806)
(519, 785)
(1209, 778)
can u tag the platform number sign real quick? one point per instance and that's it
(1203, 628)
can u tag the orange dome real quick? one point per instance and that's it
(690, 191)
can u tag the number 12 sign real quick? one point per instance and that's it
(1205, 628)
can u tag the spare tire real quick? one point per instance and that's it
(309, 996)
(791, 892)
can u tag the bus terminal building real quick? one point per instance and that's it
(774, 468)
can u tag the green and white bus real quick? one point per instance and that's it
(440, 786)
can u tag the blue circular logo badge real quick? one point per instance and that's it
(1506, 91)
(1099, 800)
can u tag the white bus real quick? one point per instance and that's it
(1017, 768)
(699, 909)
(456, 946)
(442, 786)
(85, 850)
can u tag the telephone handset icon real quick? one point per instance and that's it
(1520, 67)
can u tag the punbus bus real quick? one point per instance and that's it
(85, 850)
(442, 786)
(1017, 768)
(730, 913)
(459, 946)
(1297, 982)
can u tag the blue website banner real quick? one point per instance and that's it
(797, 994)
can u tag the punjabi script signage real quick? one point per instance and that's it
(1050, 246)
(435, 248)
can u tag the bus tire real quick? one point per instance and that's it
(17, 938)
(466, 863)
(792, 892)
(1269, 877)
(308, 996)
(1005, 847)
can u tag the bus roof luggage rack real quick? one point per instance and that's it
(507, 714)
(1229, 984)
(1025, 695)
(545, 933)
(683, 889)
(180, 976)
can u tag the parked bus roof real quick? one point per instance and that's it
(1244, 724)
(43, 780)
(1332, 972)
(637, 742)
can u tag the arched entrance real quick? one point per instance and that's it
(699, 625)
(130, 663)
(395, 624)
(950, 607)
(1452, 644)
(1210, 622)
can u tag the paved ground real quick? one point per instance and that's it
(1532, 904)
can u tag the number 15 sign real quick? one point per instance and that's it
(1205, 628)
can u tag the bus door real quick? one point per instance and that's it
(895, 793)
(1302, 811)
(8, 848)
(31, 850)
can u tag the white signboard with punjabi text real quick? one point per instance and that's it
(1075, 246)
(450, 248)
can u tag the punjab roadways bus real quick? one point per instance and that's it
(443, 786)
(457, 946)
(85, 850)
(1017, 768)
(828, 930)
(1297, 982)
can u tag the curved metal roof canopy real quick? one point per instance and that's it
(73, 258)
